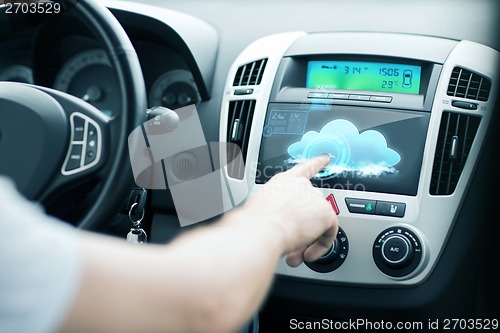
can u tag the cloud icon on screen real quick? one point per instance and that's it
(349, 149)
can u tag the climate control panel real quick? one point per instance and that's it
(397, 252)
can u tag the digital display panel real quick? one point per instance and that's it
(376, 150)
(356, 75)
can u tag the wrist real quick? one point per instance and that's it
(265, 225)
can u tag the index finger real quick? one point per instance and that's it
(310, 167)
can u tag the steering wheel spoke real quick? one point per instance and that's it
(54, 142)
(88, 134)
(87, 146)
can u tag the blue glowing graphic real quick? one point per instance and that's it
(366, 153)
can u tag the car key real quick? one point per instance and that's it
(136, 235)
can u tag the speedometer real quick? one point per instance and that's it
(89, 76)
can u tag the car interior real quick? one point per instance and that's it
(401, 95)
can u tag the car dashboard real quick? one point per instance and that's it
(403, 97)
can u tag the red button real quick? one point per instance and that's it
(331, 200)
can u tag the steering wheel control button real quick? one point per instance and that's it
(333, 203)
(396, 209)
(91, 154)
(78, 127)
(335, 257)
(397, 251)
(85, 148)
(361, 206)
(92, 144)
(75, 157)
(91, 132)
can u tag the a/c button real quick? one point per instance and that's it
(396, 250)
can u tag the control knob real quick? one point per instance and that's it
(334, 257)
(397, 251)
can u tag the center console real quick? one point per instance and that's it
(402, 117)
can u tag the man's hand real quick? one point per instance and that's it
(301, 212)
(194, 283)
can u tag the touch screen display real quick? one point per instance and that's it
(355, 75)
(373, 150)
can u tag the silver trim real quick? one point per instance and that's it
(83, 143)
(332, 248)
(454, 147)
(234, 132)
(408, 249)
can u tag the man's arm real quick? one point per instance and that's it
(211, 279)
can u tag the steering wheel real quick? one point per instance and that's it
(52, 142)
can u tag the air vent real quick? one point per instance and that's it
(465, 84)
(238, 132)
(250, 74)
(456, 134)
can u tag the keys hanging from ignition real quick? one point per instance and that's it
(136, 235)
